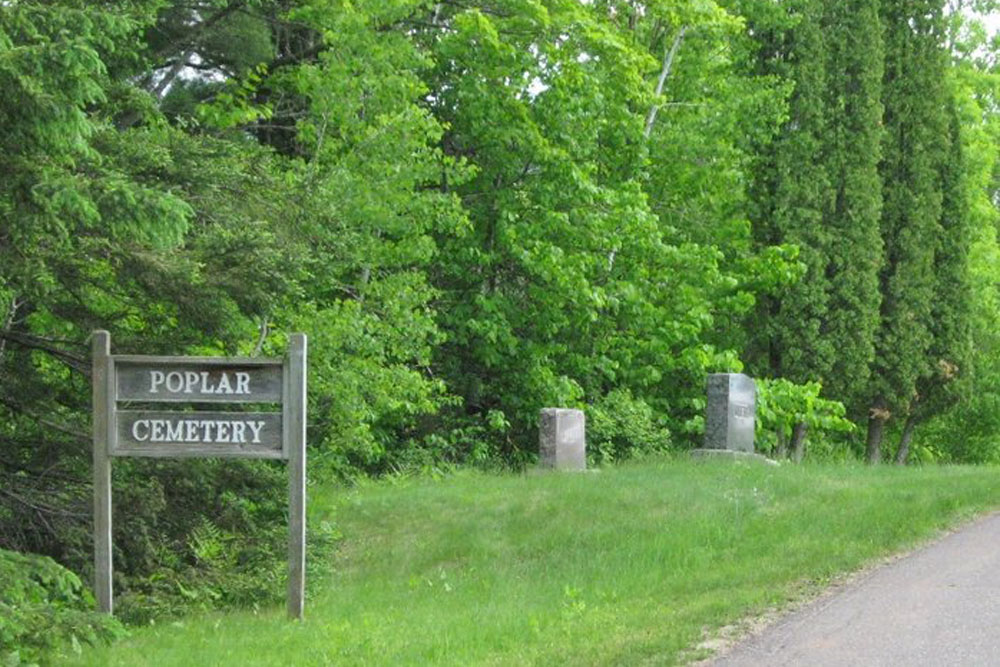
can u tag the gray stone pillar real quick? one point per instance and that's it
(730, 412)
(562, 439)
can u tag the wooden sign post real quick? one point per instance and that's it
(191, 381)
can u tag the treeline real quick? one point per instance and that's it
(478, 209)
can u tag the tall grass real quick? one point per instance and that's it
(630, 565)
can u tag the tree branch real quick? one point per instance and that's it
(8, 321)
(76, 433)
(668, 63)
(74, 361)
(264, 330)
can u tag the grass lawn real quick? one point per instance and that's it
(630, 565)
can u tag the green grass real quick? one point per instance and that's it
(627, 566)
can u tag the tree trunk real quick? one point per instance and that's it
(903, 453)
(799, 442)
(782, 449)
(877, 418)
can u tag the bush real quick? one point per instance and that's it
(204, 534)
(45, 610)
(620, 426)
(781, 404)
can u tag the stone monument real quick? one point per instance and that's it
(730, 412)
(562, 439)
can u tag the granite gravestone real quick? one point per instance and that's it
(729, 422)
(562, 439)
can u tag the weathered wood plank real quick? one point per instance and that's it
(295, 442)
(208, 361)
(205, 452)
(164, 433)
(103, 406)
(182, 381)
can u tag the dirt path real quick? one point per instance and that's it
(937, 606)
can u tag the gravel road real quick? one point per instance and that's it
(937, 606)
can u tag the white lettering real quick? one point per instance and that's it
(175, 431)
(197, 431)
(255, 427)
(156, 433)
(175, 382)
(135, 429)
(199, 382)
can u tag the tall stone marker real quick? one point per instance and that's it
(154, 407)
(729, 422)
(562, 439)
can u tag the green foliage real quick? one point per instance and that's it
(916, 128)
(46, 612)
(964, 425)
(621, 427)
(855, 66)
(367, 174)
(201, 534)
(922, 228)
(816, 186)
(782, 404)
(590, 267)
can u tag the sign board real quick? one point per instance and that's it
(154, 407)
(168, 433)
(209, 381)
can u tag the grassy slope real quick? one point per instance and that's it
(625, 566)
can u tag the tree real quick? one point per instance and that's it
(817, 187)
(113, 219)
(791, 190)
(591, 272)
(854, 205)
(914, 150)
(961, 424)
(944, 380)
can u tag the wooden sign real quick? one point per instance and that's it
(184, 434)
(123, 387)
(205, 381)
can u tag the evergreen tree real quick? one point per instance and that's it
(945, 373)
(817, 186)
(963, 427)
(916, 128)
(790, 193)
(852, 245)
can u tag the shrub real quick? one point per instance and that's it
(620, 426)
(781, 404)
(45, 610)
